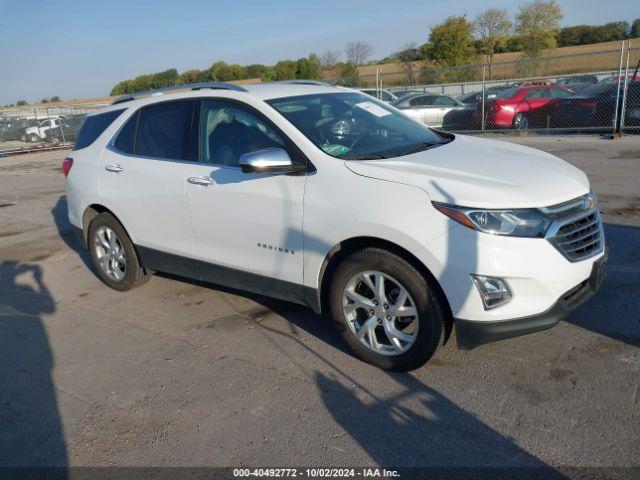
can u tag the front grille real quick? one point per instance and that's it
(580, 237)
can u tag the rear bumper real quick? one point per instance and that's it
(471, 334)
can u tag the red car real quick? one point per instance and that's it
(521, 107)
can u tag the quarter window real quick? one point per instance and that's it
(164, 130)
(93, 126)
(229, 130)
(127, 136)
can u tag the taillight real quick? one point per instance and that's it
(67, 163)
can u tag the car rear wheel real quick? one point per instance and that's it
(33, 138)
(386, 311)
(520, 121)
(113, 255)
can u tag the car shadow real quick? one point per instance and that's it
(61, 220)
(415, 426)
(613, 311)
(31, 431)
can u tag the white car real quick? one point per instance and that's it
(38, 133)
(329, 198)
(384, 95)
(428, 108)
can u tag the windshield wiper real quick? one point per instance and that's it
(366, 156)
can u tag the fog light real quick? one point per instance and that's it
(493, 291)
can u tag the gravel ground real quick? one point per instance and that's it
(181, 374)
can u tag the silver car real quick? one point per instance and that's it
(429, 108)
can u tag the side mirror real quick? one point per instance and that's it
(269, 160)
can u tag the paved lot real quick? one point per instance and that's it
(176, 373)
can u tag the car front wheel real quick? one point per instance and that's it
(386, 311)
(521, 121)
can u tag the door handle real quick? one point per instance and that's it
(114, 167)
(203, 181)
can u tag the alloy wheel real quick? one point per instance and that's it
(380, 312)
(110, 253)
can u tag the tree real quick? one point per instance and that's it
(538, 24)
(634, 32)
(493, 27)
(55, 98)
(190, 76)
(329, 59)
(308, 68)
(407, 58)
(21, 103)
(585, 34)
(269, 75)
(44, 100)
(256, 70)
(451, 42)
(347, 74)
(285, 70)
(357, 53)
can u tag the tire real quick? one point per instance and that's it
(128, 273)
(521, 121)
(33, 138)
(427, 327)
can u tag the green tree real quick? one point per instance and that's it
(634, 31)
(538, 24)
(285, 70)
(223, 72)
(256, 70)
(55, 98)
(308, 68)
(190, 76)
(493, 28)
(347, 74)
(269, 75)
(451, 42)
(44, 100)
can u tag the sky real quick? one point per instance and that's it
(81, 48)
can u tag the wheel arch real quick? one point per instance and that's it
(93, 211)
(347, 247)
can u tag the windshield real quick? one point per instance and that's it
(353, 126)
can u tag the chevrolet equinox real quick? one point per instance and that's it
(327, 197)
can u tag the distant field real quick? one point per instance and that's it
(559, 61)
(583, 58)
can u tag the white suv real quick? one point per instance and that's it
(327, 197)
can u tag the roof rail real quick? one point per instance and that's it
(302, 81)
(189, 86)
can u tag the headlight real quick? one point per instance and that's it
(527, 222)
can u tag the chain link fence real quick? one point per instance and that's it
(596, 92)
(23, 129)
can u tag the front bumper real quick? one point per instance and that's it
(471, 334)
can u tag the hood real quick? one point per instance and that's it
(475, 172)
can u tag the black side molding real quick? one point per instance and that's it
(224, 276)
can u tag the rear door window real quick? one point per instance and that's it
(421, 101)
(93, 127)
(164, 130)
(444, 101)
